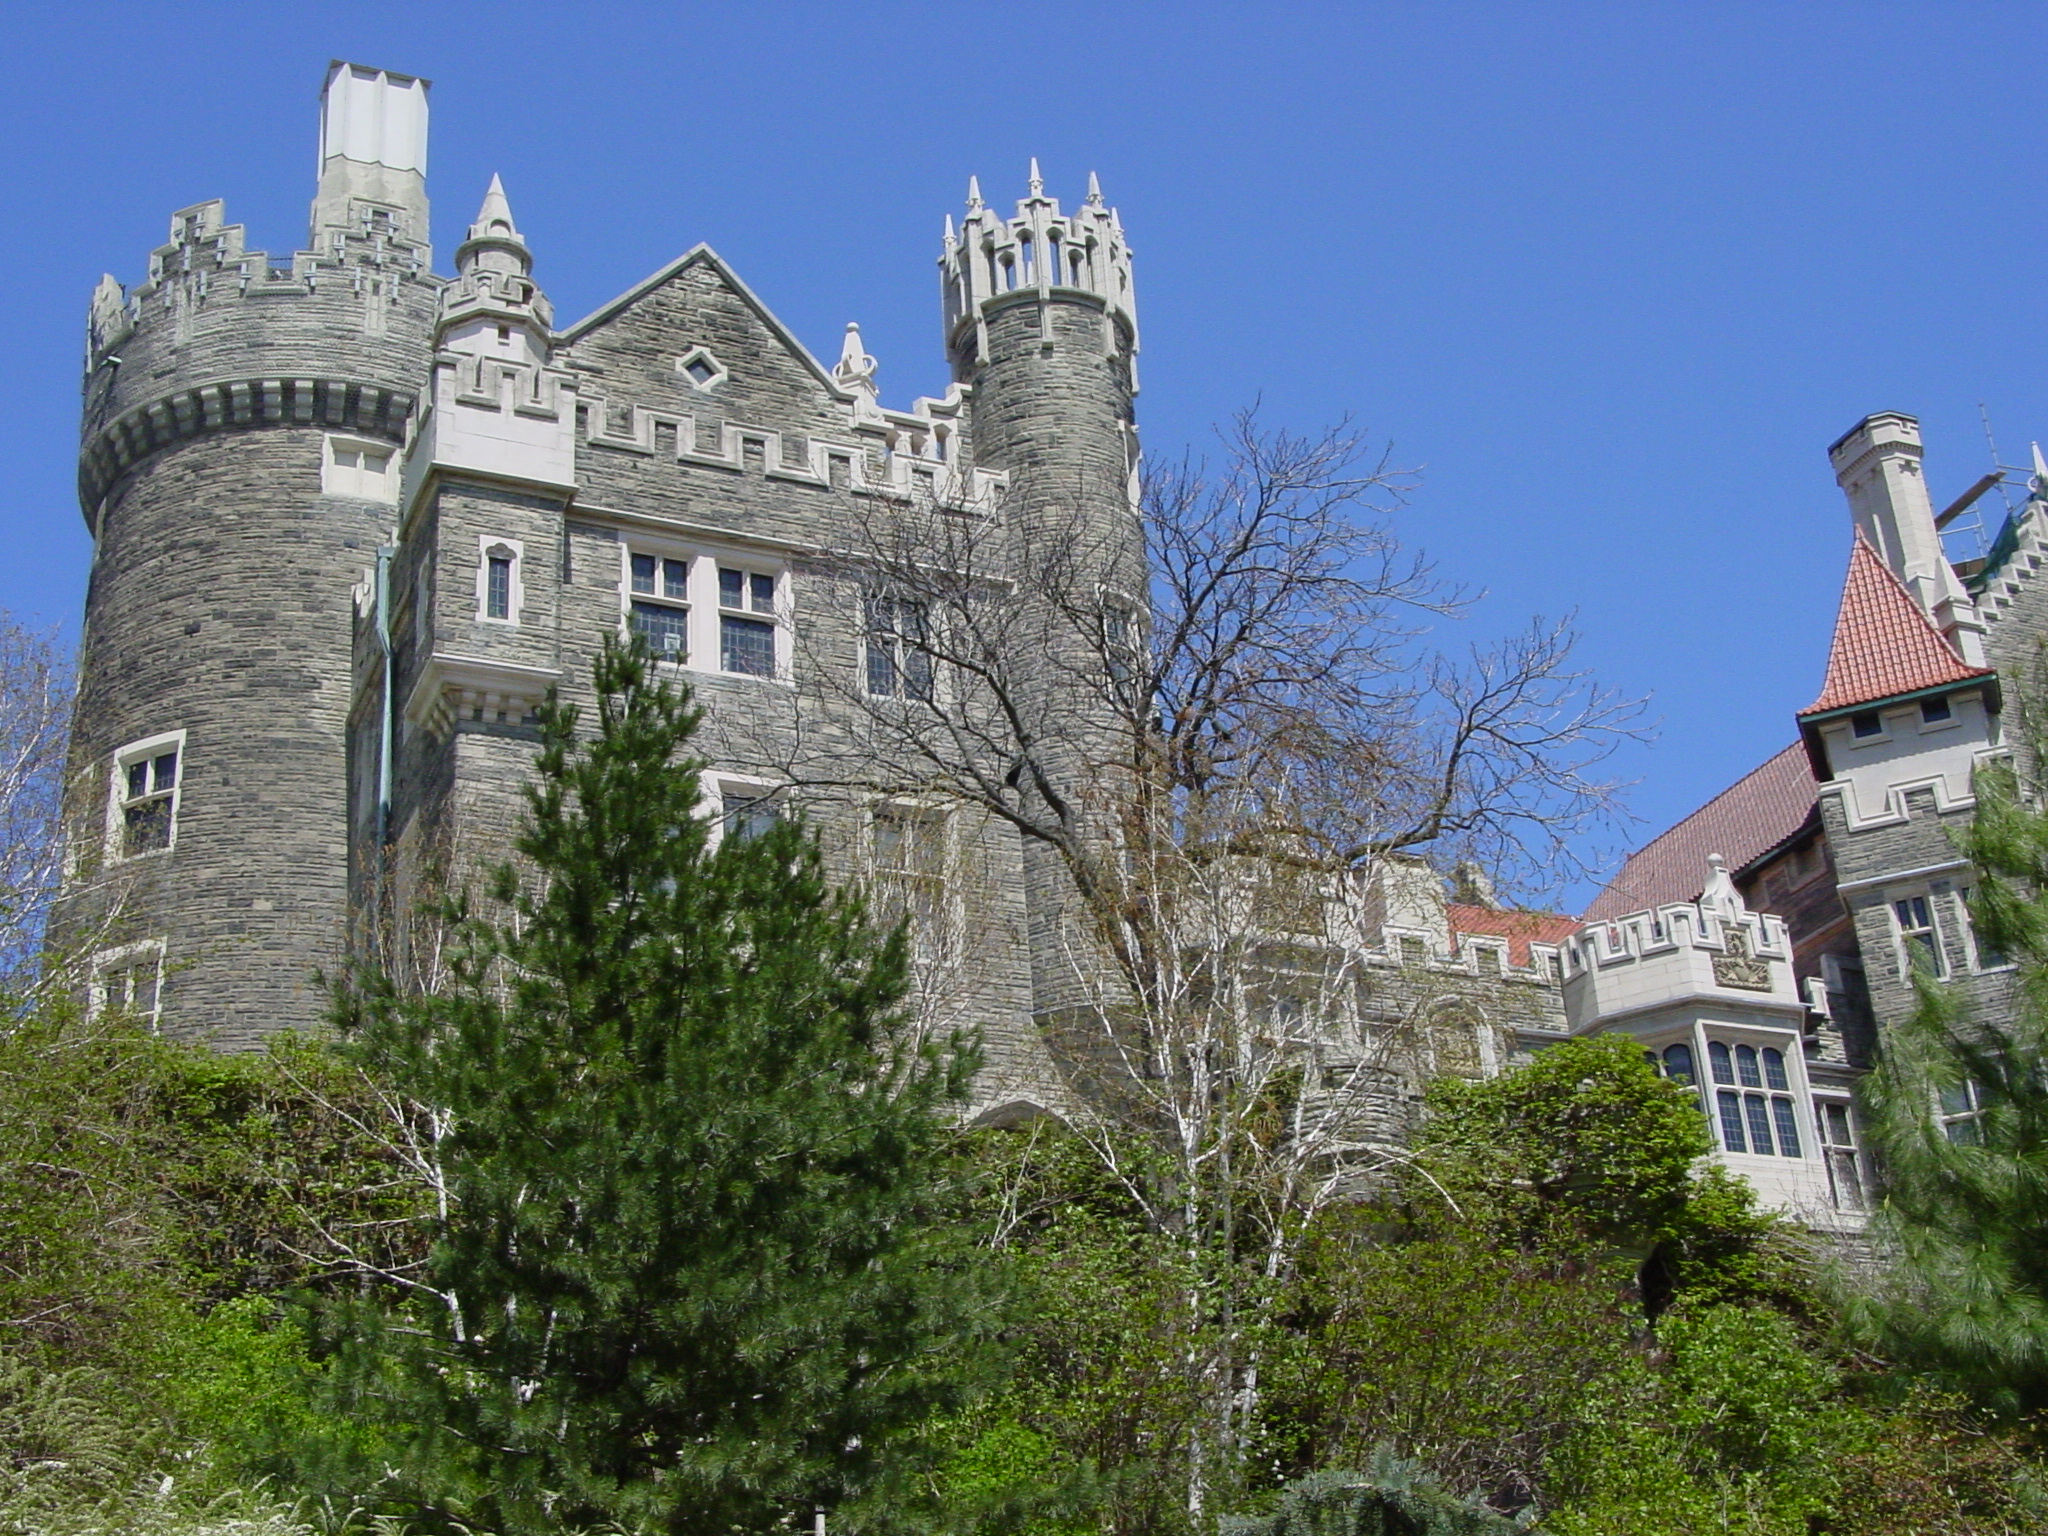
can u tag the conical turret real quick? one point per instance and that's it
(493, 281)
(494, 242)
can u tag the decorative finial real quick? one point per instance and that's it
(974, 203)
(2040, 470)
(855, 368)
(1037, 181)
(949, 231)
(1094, 191)
(1721, 895)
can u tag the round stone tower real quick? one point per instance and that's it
(238, 469)
(1042, 332)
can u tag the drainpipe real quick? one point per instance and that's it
(384, 554)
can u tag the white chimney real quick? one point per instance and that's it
(373, 149)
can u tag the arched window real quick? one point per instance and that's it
(1722, 1063)
(1678, 1063)
(1774, 1070)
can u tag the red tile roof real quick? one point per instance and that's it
(1751, 816)
(1884, 645)
(1518, 928)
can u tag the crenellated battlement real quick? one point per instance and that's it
(1677, 953)
(1037, 253)
(338, 331)
(914, 474)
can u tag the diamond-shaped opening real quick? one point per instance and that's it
(700, 368)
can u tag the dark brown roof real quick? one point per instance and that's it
(1751, 816)
(1518, 928)
(1884, 645)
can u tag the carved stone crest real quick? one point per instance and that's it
(1738, 968)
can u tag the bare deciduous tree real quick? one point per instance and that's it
(35, 722)
(1220, 728)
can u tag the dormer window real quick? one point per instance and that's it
(1866, 724)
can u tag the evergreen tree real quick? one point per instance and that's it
(686, 1278)
(1956, 1112)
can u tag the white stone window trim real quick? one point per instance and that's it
(358, 480)
(701, 603)
(125, 959)
(927, 947)
(717, 784)
(147, 749)
(1959, 1111)
(1844, 1159)
(904, 688)
(687, 369)
(1967, 925)
(491, 546)
(1701, 1037)
(1906, 939)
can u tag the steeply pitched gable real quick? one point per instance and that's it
(1885, 647)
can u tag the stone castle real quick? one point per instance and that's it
(353, 519)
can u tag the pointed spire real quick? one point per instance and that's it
(950, 238)
(974, 202)
(1094, 191)
(494, 219)
(1037, 181)
(2040, 470)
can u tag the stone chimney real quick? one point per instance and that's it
(373, 153)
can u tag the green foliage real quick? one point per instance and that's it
(688, 1278)
(1103, 1330)
(1735, 1431)
(1392, 1497)
(1931, 1465)
(1586, 1135)
(1473, 1359)
(1965, 1220)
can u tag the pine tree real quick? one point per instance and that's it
(687, 1279)
(1957, 1114)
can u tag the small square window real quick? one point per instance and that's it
(666, 630)
(129, 981)
(1934, 711)
(1867, 723)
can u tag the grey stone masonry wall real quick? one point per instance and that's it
(219, 601)
(1051, 405)
(1878, 865)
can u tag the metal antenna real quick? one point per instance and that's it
(2004, 469)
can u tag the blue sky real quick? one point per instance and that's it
(1613, 276)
